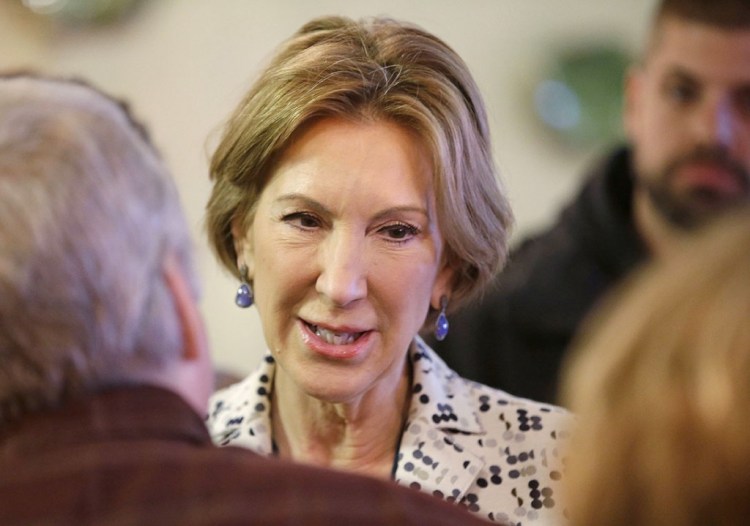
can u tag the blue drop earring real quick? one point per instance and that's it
(441, 324)
(244, 297)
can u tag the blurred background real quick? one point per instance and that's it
(550, 70)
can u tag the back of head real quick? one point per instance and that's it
(370, 70)
(660, 384)
(87, 214)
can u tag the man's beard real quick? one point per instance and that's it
(694, 208)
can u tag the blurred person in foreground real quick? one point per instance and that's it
(356, 199)
(104, 369)
(659, 383)
(687, 115)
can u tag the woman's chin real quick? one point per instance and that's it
(333, 372)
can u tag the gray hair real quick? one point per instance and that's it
(88, 212)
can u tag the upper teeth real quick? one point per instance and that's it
(335, 338)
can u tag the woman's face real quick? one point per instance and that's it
(345, 256)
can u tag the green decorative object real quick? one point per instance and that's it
(580, 99)
(82, 12)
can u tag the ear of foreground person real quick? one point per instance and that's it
(104, 367)
(659, 381)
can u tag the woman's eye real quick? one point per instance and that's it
(400, 232)
(302, 220)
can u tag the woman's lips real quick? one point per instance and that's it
(334, 343)
(334, 337)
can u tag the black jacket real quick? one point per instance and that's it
(515, 337)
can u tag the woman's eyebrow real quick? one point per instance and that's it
(303, 199)
(402, 209)
(322, 209)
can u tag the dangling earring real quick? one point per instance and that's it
(244, 296)
(441, 325)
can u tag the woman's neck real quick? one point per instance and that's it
(361, 435)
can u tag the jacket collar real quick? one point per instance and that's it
(121, 413)
(242, 412)
(439, 450)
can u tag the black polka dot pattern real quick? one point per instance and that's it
(495, 454)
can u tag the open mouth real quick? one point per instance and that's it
(333, 337)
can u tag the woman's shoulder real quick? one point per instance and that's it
(506, 399)
(484, 394)
(498, 413)
(515, 416)
(507, 450)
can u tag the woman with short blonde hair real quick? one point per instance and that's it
(355, 197)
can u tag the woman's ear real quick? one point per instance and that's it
(442, 287)
(243, 246)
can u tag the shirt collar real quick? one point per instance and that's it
(121, 413)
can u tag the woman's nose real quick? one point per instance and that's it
(342, 278)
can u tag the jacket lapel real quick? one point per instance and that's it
(439, 452)
(240, 415)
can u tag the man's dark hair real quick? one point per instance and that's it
(724, 14)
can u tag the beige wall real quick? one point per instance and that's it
(183, 64)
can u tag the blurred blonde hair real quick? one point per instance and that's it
(365, 71)
(660, 380)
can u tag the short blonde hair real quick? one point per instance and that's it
(372, 69)
(660, 381)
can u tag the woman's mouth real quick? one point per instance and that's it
(344, 343)
(334, 337)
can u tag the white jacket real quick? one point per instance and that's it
(497, 454)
